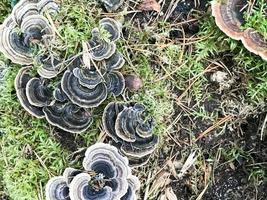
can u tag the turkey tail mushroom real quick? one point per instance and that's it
(228, 17)
(80, 95)
(125, 124)
(68, 117)
(22, 79)
(255, 43)
(106, 176)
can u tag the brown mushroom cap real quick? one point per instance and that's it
(255, 43)
(228, 17)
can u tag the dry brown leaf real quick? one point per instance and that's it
(172, 168)
(150, 5)
(170, 194)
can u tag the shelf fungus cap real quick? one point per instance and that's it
(36, 28)
(228, 17)
(13, 47)
(68, 117)
(115, 83)
(89, 78)
(80, 95)
(110, 166)
(126, 125)
(57, 189)
(99, 48)
(116, 61)
(255, 43)
(112, 5)
(38, 92)
(49, 6)
(112, 26)
(49, 66)
(21, 82)
(133, 82)
(23, 9)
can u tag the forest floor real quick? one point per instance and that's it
(220, 125)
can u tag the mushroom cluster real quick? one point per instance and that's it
(26, 28)
(126, 124)
(106, 176)
(89, 83)
(42, 101)
(229, 18)
(88, 78)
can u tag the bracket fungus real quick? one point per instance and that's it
(24, 28)
(126, 125)
(68, 117)
(229, 18)
(22, 79)
(99, 48)
(112, 5)
(49, 66)
(106, 176)
(38, 93)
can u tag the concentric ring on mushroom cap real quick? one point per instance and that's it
(102, 158)
(115, 83)
(49, 6)
(134, 185)
(68, 117)
(112, 5)
(69, 173)
(228, 17)
(38, 93)
(116, 61)
(82, 96)
(59, 95)
(13, 47)
(79, 189)
(87, 77)
(21, 81)
(23, 9)
(38, 27)
(100, 49)
(112, 27)
(109, 117)
(255, 43)
(49, 66)
(140, 147)
(57, 189)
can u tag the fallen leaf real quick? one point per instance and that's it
(150, 5)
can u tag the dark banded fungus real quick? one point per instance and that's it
(38, 92)
(80, 95)
(106, 176)
(68, 117)
(99, 48)
(112, 27)
(125, 124)
(116, 61)
(112, 5)
(115, 83)
(48, 66)
(22, 31)
(22, 79)
(57, 187)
